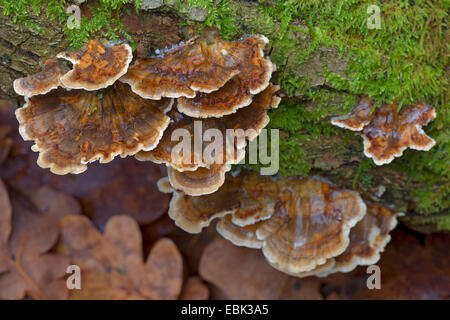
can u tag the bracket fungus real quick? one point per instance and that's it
(202, 64)
(298, 223)
(387, 132)
(198, 182)
(73, 128)
(242, 236)
(98, 64)
(231, 97)
(358, 118)
(42, 82)
(367, 240)
(192, 214)
(303, 226)
(313, 222)
(189, 154)
(248, 204)
(201, 168)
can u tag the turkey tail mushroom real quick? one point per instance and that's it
(226, 84)
(98, 64)
(304, 227)
(387, 132)
(367, 239)
(202, 64)
(42, 82)
(203, 170)
(73, 128)
(227, 100)
(198, 182)
(359, 116)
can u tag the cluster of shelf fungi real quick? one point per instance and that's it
(98, 107)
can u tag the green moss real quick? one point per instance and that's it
(105, 19)
(406, 60)
(440, 222)
(20, 10)
(300, 123)
(362, 177)
(218, 14)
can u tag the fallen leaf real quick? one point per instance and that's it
(29, 269)
(163, 227)
(57, 203)
(5, 222)
(411, 270)
(124, 186)
(242, 273)
(112, 264)
(5, 142)
(194, 289)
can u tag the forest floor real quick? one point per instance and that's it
(413, 266)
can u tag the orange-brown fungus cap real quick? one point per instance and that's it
(232, 96)
(194, 213)
(309, 222)
(247, 122)
(167, 153)
(73, 128)
(97, 65)
(387, 132)
(229, 198)
(200, 181)
(314, 219)
(41, 82)
(391, 132)
(304, 227)
(359, 116)
(367, 239)
(239, 236)
(202, 64)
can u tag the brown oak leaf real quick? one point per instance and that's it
(5, 222)
(412, 270)
(243, 273)
(112, 264)
(28, 231)
(5, 142)
(194, 289)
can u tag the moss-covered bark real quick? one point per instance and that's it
(321, 75)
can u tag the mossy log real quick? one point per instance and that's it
(312, 146)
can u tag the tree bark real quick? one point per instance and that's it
(338, 157)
